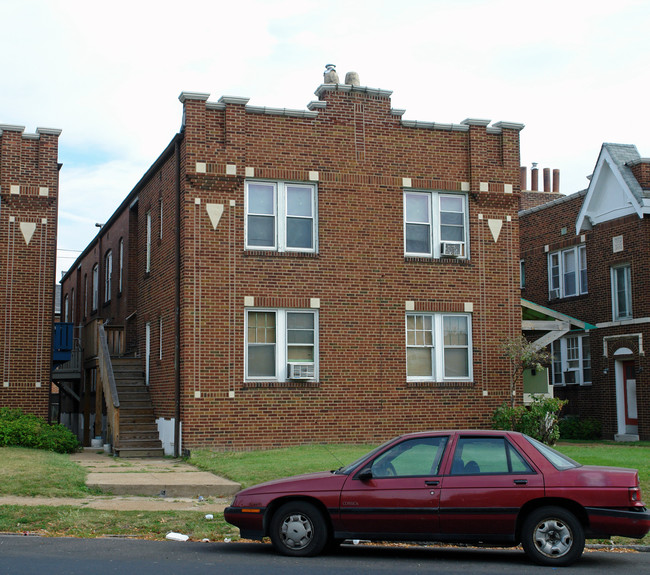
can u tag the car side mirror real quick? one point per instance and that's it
(365, 474)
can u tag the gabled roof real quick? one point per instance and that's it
(613, 191)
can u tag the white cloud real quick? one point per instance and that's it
(109, 75)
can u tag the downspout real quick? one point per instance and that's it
(177, 344)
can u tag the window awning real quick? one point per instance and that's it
(535, 317)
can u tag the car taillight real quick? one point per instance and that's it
(634, 494)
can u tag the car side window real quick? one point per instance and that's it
(414, 457)
(487, 455)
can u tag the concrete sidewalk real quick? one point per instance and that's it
(148, 484)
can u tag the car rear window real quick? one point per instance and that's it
(555, 458)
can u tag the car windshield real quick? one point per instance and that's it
(349, 468)
(557, 459)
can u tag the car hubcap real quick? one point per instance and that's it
(553, 538)
(296, 531)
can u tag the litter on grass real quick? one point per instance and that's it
(177, 536)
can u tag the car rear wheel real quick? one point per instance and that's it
(553, 536)
(298, 529)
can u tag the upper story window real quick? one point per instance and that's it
(571, 360)
(85, 295)
(281, 216)
(622, 292)
(281, 344)
(121, 274)
(95, 286)
(147, 264)
(567, 272)
(66, 308)
(522, 274)
(108, 272)
(438, 347)
(435, 224)
(160, 234)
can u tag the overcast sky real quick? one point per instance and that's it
(109, 74)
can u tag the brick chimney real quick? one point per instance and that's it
(641, 171)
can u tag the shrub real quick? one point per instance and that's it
(18, 429)
(578, 428)
(538, 420)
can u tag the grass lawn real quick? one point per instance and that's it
(29, 472)
(38, 473)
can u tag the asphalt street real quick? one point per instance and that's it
(28, 555)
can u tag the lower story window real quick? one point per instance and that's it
(281, 344)
(438, 346)
(571, 360)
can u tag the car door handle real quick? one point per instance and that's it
(521, 481)
(431, 482)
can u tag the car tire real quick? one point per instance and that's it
(553, 536)
(298, 529)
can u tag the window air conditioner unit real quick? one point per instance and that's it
(570, 377)
(300, 371)
(554, 294)
(452, 250)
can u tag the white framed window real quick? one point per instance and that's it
(435, 224)
(108, 273)
(281, 344)
(622, 292)
(571, 360)
(438, 347)
(66, 308)
(147, 268)
(85, 296)
(567, 272)
(121, 275)
(280, 216)
(95, 286)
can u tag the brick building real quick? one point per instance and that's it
(586, 255)
(29, 187)
(331, 274)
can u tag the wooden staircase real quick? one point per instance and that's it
(138, 430)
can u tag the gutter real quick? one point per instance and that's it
(177, 327)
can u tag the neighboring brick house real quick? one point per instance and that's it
(331, 274)
(587, 255)
(29, 188)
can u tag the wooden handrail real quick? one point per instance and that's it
(108, 384)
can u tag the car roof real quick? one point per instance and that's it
(474, 432)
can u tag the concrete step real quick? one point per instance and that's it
(137, 452)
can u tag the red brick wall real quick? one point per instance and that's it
(540, 228)
(360, 275)
(28, 205)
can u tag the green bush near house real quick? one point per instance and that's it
(579, 428)
(538, 420)
(18, 429)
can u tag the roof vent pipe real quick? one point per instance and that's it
(352, 79)
(547, 180)
(534, 178)
(330, 76)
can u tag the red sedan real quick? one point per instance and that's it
(480, 487)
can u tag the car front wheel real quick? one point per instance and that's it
(298, 529)
(553, 536)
